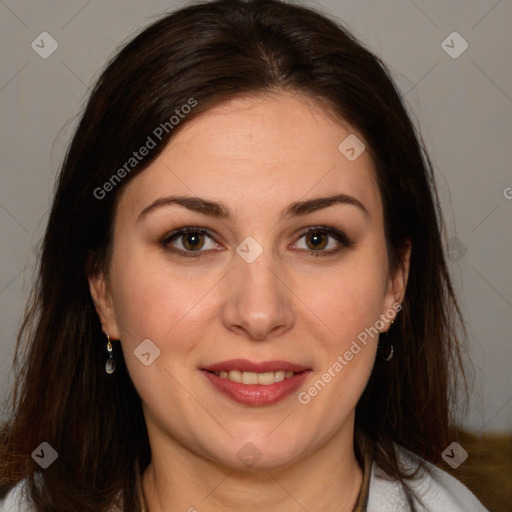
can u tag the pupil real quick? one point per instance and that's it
(193, 240)
(316, 240)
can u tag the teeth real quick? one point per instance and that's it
(263, 379)
(279, 376)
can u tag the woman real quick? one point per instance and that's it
(243, 302)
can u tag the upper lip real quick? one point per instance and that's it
(244, 365)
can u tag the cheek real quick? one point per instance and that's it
(161, 301)
(150, 299)
(351, 349)
(351, 300)
(350, 307)
(151, 302)
(350, 311)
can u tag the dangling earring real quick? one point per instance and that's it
(110, 365)
(390, 353)
(387, 357)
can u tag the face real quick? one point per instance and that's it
(265, 273)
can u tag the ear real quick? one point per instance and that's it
(102, 299)
(397, 284)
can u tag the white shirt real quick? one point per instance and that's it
(439, 491)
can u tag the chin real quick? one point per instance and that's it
(262, 453)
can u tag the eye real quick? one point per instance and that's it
(191, 239)
(316, 239)
(190, 242)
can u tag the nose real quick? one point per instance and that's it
(258, 301)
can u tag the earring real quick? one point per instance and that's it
(110, 365)
(391, 349)
(390, 354)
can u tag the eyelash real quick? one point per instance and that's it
(334, 233)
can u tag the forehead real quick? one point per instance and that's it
(257, 153)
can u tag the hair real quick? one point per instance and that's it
(202, 55)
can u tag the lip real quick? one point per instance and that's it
(257, 395)
(244, 365)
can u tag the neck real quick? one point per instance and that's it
(328, 479)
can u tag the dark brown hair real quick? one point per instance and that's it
(210, 52)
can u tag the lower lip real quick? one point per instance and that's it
(257, 394)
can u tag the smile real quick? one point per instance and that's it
(256, 384)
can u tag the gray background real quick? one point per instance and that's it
(463, 106)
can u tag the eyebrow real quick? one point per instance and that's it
(221, 210)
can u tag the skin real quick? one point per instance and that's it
(257, 154)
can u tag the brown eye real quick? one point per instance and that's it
(189, 242)
(318, 238)
(316, 241)
(192, 241)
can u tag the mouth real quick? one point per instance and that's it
(256, 384)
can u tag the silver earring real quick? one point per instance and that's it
(390, 351)
(110, 365)
(390, 355)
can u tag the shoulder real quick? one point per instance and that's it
(436, 489)
(16, 500)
